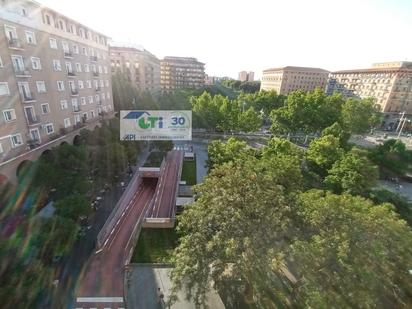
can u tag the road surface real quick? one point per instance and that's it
(165, 197)
(102, 282)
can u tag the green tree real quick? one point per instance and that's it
(278, 146)
(337, 131)
(392, 157)
(353, 174)
(307, 112)
(351, 254)
(250, 121)
(322, 153)
(219, 152)
(360, 116)
(265, 101)
(207, 109)
(229, 234)
(73, 207)
(230, 112)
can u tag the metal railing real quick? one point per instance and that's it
(28, 97)
(96, 74)
(33, 120)
(71, 73)
(93, 58)
(74, 92)
(21, 71)
(77, 108)
(68, 54)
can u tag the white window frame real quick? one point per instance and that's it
(1, 148)
(7, 89)
(108, 95)
(13, 145)
(1, 62)
(53, 45)
(91, 99)
(37, 61)
(41, 83)
(78, 67)
(12, 115)
(57, 65)
(36, 129)
(60, 83)
(63, 105)
(86, 68)
(76, 49)
(46, 126)
(48, 108)
(33, 37)
(81, 84)
(107, 83)
(67, 122)
(88, 84)
(13, 30)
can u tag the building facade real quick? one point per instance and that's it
(140, 66)
(181, 72)
(54, 76)
(390, 83)
(287, 79)
(246, 76)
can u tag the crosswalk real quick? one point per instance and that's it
(100, 303)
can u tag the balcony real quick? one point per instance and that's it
(93, 58)
(74, 92)
(71, 74)
(15, 44)
(28, 98)
(21, 72)
(33, 143)
(68, 54)
(33, 120)
(77, 109)
(98, 89)
(96, 74)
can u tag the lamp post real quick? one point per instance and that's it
(403, 124)
(400, 121)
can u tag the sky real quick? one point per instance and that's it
(230, 36)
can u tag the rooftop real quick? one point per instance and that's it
(294, 68)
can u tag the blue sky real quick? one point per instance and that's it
(230, 36)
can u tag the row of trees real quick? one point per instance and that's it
(283, 227)
(312, 112)
(246, 87)
(219, 112)
(71, 176)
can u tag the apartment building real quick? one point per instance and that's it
(244, 76)
(290, 78)
(390, 83)
(140, 66)
(181, 72)
(54, 76)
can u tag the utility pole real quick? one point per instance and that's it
(400, 121)
(403, 124)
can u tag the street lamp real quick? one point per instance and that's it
(400, 121)
(403, 124)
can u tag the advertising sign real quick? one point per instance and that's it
(155, 125)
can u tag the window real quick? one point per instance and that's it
(57, 66)
(92, 114)
(85, 116)
(81, 84)
(53, 43)
(88, 84)
(45, 109)
(63, 104)
(4, 89)
(11, 33)
(100, 69)
(9, 115)
(86, 68)
(30, 37)
(41, 87)
(60, 85)
(35, 63)
(16, 140)
(1, 63)
(75, 49)
(65, 46)
(83, 101)
(78, 67)
(101, 83)
(67, 122)
(1, 148)
(90, 99)
(105, 69)
(84, 51)
(47, 19)
(107, 83)
(108, 95)
(103, 96)
(49, 128)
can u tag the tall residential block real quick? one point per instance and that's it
(181, 72)
(140, 66)
(289, 78)
(246, 76)
(390, 83)
(54, 76)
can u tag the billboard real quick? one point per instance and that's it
(155, 125)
